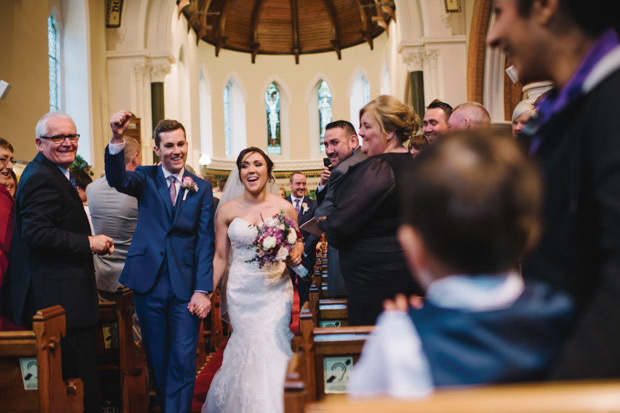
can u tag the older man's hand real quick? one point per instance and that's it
(101, 244)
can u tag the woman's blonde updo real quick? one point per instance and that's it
(393, 116)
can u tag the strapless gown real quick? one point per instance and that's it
(251, 378)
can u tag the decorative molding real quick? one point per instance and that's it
(159, 71)
(415, 59)
(432, 40)
(141, 69)
(280, 165)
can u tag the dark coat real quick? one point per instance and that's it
(51, 262)
(579, 250)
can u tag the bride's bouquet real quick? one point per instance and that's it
(274, 241)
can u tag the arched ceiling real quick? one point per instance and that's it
(293, 27)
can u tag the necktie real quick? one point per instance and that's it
(173, 190)
(72, 180)
(297, 206)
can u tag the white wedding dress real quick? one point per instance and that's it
(251, 378)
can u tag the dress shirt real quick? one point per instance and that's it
(393, 361)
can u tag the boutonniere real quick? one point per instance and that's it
(189, 185)
(304, 208)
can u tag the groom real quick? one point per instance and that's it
(169, 263)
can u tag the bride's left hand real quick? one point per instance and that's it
(294, 257)
(199, 305)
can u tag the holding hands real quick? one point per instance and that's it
(199, 304)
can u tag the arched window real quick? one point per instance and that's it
(235, 138)
(227, 118)
(325, 109)
(360, 95)
(272, 105)
(54, 62)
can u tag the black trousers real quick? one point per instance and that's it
(79, 360)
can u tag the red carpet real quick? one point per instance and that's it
(203, 381)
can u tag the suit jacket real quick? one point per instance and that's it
(115, 215)
(579, 250)
(335, 179)
(320, 195)
(310, 240)
(50, 260)
(183, 235)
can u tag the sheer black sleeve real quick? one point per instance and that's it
(358, 198)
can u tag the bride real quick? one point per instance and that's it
(259, 301)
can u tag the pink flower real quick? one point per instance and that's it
(189, 184)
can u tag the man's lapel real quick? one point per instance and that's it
(59, 176)
(180, 202)
(164, 192)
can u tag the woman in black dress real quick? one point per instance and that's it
(366, 214)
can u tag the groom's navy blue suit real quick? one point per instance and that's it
(169, 259)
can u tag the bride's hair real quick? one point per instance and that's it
(259, 151)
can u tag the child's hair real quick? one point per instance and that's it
(475, 199)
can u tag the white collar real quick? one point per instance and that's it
(178, 176)
(607, 65)
(476, 293)
(293, 198)
(65, 172)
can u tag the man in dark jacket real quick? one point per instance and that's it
(575, 135)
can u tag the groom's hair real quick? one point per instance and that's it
(259, 151)
(166, 125)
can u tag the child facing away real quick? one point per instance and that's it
(471, 210)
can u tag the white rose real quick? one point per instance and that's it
(269, 243)
(282, 254)
(291, 237)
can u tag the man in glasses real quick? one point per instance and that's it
(51, 252)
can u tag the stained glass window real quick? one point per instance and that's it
(325, 110)
(52, 51)
(272, 104)
(227, 117)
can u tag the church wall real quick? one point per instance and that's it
(23, 44)
(100, 116)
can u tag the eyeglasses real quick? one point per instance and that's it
(61, 138)
(5, 159)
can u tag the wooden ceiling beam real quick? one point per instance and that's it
(193, 14)
(220, 38)
(256, 13)
(295, 24)
(204, 27)
(331, 11)
(365, 27)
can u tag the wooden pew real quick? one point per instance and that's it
(52, 394)
(294, 386)
(217, 330)
(328, 355)
(565, 397)
(125, 356)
